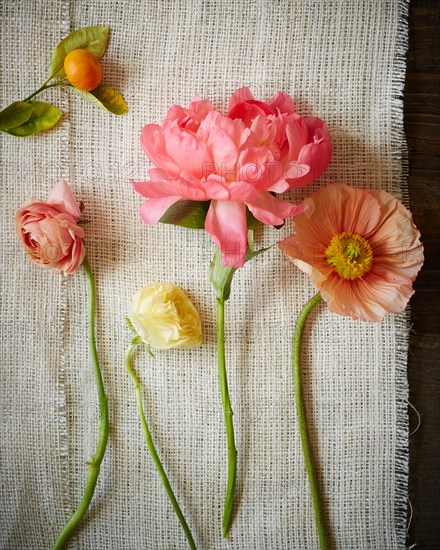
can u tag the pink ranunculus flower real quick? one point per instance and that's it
(360, 248)
(233, 161)
(49, 230)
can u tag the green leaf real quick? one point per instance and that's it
(192, 214)
(106, 98)
(251, 220)
(221, 275)
(43, 116)
(189, 214)
(15, 114)
(92, 39)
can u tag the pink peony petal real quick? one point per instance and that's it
(153, 209)
(153, 144)
(157, 174)
(223, 137)
(242, 191)
(316, 153)
(239, 96)
(297, 136)
(257, 157)
(248, 111)
(187, 151)
(175, 187)
(270, 210)
(226, 223)
(217, 188)
(281, 102)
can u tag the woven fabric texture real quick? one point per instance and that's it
(341, 60)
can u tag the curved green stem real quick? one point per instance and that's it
(302, 421)
(94, 463)
(152, 448)
(44, 86)
(228, 413)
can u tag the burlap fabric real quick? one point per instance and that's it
(340, 60)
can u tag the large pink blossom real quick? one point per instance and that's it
(49, 230)
(234, 161)
(360, 248)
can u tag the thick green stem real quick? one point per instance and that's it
(152, 449)
(227, 410)
(94, 463)
(44, 86)
(302, 421)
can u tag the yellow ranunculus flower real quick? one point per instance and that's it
(164, 317)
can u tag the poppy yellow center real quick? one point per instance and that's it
(350, 255)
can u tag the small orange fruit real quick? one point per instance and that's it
(83, 70)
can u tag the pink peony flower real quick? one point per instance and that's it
(305, 141)
(360, 248)
(49, 230)
(234, 161)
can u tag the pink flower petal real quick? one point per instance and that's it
(187, 190)
(217, 188)
(223, 137)
(337, 208)
(153, 209)
(241, 191)
(62, 198)
(248, 111)
(297, 136)
(240, 95)
(153, 144)
(316, 153)
(270, 210)
(369, 298)
(185, 149)
(157, 174)
(281, 102)
(226, 223)
(396, 240)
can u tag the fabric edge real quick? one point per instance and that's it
(400, 154)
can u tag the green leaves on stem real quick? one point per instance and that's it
(16, 114)
(105, 98)
(24, 118)
(42, 117)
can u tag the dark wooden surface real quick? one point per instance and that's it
(422, 116)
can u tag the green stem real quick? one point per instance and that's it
(302, 421)
(228, 413)
(152, 449)
(94, 463)
(44, 86)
